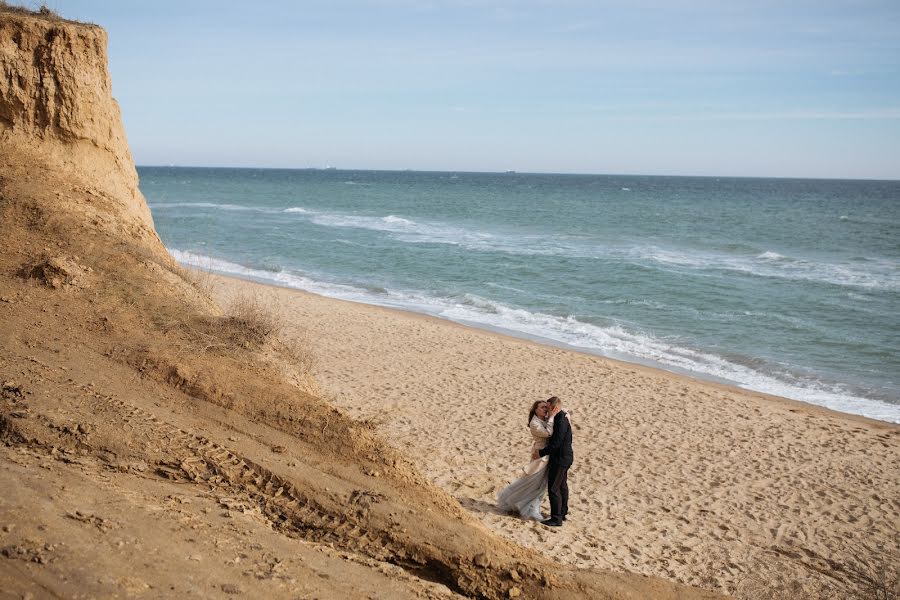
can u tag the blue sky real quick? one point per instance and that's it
(795, 89)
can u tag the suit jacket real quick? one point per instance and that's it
(559, 447)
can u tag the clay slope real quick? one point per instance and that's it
(154, 443)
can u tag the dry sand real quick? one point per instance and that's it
(675, 477)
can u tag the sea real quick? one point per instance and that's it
(784, 286)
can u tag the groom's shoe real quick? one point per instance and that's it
(551, 523)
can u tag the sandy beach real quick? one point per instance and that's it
(694, 481)
(155, 444)
(168, 433)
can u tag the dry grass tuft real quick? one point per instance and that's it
(876, 575)
(868, 574)
(249, 323)
(199, 279)
(252, 323)
(760, 587)
(42, 11)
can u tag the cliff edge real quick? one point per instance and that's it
(153, 444)
(57, 113)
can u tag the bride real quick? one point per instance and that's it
(526, 493)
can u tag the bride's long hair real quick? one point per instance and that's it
(534, 408)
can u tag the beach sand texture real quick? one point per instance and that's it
(675, 477)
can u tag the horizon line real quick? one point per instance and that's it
(515, 172)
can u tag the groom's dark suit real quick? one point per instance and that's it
(559, 449)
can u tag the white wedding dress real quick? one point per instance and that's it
(526, 493)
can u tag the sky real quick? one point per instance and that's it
(722, 88)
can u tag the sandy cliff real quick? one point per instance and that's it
(156, 445)
(57, 111)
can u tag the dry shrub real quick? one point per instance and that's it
(876, 574)
(249, 323)
(868, 574)
(42, 11)
(253, 323)
(757, 586)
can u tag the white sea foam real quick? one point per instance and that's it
(617, 342)
(769, 264)
(392, 220)
(875, 275)
(413, 232)
(403, 229)
(865, 274)
(283, 278)
(878, 221)
(613, 340)
(211, 205)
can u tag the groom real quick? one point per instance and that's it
(559, 448)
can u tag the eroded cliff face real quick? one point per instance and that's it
(58, 116)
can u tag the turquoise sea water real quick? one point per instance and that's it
(790, 287)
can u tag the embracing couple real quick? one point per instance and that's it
(551, 457)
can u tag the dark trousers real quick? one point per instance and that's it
(558, 490)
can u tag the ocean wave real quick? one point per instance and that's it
(213, 205)
(616, 341)
(856, 272)
(409, 231)
(280, 277)
(612, 340)
(869, 221)
(403, 229)
(392, 220)
(389, 223)
(875, 275)
(406, 230)
(208, 263)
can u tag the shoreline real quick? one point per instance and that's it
(550, 343)
(676, 477)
